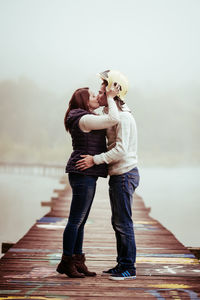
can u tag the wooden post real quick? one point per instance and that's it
(6, 246)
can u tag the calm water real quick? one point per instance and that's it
(20, 198)
(172, 194)
(174, 197)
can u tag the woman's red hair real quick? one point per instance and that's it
(79, 99)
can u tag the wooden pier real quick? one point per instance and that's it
(50, 170)
(165, 268)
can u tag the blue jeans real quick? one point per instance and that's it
(83, 191)
(121, 189)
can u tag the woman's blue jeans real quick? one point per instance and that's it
(83, 191)
(121, 189)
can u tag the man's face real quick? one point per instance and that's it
(101, 97)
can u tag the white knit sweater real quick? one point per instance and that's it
(122, 145)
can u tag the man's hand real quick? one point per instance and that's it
(85, 163)
(114, 90)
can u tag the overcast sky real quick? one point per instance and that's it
(64, 43)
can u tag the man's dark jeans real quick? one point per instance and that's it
(83, 191)
(121, 189)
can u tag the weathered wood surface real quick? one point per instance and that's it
(165, 268)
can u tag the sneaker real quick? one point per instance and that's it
(112, 271)
(127, 274)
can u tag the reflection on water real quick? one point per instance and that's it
(174, 197)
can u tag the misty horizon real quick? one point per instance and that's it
(155, 43)
(50, 48)
(32, 127)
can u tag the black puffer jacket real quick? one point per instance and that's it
(93, 142)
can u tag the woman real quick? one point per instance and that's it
(88, 137)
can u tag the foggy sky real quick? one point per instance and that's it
(61, 44)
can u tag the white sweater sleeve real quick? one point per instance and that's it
(121, 146)
(95, 122)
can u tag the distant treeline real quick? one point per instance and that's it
(32, 130)
(31, 124)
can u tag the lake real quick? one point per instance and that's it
(174, 197)
(172, 194)
(20, 198)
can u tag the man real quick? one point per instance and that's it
(121, 158)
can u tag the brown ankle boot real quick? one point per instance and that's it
(79, 260)
(67, 266)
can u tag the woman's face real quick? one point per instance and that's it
(93, 103)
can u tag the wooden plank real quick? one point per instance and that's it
(165, 268)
